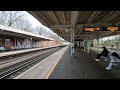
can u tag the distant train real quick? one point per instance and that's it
(63, 44)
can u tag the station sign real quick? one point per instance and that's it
(91, 29)
(110, 28)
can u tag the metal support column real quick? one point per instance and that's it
(97, 44)
(84, 45)
(72, 41)
(88, 45)
(116, 43)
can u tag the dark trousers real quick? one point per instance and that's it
(101, 54)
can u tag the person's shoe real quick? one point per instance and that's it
(108, 68)
(106, 60)
(114, 64)
(97, 60)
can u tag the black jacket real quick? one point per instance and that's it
(105, 52)
(115, 55)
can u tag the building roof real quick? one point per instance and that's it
(5, 30)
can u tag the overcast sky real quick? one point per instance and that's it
(33, 20)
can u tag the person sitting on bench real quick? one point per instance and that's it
(114, 59)
(103, 53)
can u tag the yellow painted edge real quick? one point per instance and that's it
(53, 67)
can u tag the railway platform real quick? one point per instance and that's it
(43, 69)
(10, 53)
(83, 66)
(62, 65)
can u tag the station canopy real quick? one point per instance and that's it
(66, 21)
(9, 31)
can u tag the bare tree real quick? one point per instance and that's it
(41, 31)
(15, 19)
(24, 25)
(10, 17)
(37, 30)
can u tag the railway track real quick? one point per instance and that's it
(20, 57)
(15, 69)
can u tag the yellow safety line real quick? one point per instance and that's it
(50, 71)
(53, 68)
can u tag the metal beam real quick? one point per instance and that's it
(42, 17)
(54, 16)
(94, 25)
(81, 25)
(74, 16)
(35, 14)
(77, 21)
(64, 17)
(77, 35)
(92, 15)
(108, 15)
(61, 26)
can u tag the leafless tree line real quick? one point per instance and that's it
(16, 19)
